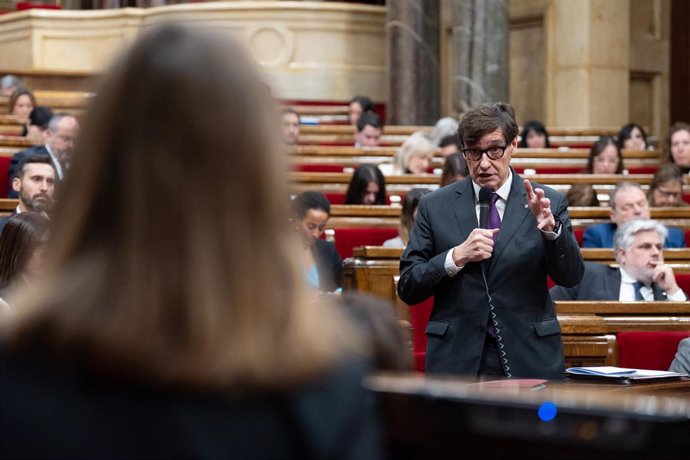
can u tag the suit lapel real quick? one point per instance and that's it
(513, 218)
(464, 208)
(612, 283)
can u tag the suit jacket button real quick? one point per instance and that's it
(482, 328)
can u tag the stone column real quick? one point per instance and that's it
(588, 63)
(479, 63)
(413, 62)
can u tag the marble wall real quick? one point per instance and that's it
(309, 50)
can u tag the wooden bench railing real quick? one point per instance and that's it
(372, 269)
(409, 129)
(349, 216)
(398, 139)
(337, 182)
(74, 102)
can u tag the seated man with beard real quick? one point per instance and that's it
(34, 183)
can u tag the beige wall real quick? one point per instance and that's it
(590, 63)
(309, 50)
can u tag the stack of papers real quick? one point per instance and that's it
(620, 373)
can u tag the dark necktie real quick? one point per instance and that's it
(638, 293)
(494, 217)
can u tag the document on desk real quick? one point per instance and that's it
(620, 373)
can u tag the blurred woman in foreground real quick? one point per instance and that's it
(175, 324)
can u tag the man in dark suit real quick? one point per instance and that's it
(35, 185)
(628, 202)
(60, 137)
(641, 275)
(506, 327)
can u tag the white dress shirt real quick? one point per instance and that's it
(627, 291)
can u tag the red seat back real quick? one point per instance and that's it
(648, 350)
(315, 167)
(419, 317)
(683, 280)
(4, 171)
(346, 239)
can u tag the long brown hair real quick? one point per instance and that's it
(172, 256)
(666, 156)
(16, 94)
(22, 235)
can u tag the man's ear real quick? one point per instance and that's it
(621, 257)
(514, 144)
(16, 184)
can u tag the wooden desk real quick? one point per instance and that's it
(437, 418)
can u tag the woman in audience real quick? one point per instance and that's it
(37, 124)
(407, 216)
(321, 261)
(21, 252)
(534, 136)
(414, 155)
(454, 169)
(666, 188)
(367, 186)
(632, 137)
(358, 106)
(446, 126)
(173, 324)
(582, 195)
(605, 157)
(677, 147)
(21, 103)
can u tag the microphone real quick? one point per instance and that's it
(484, 203)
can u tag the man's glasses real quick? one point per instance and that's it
(494, 152)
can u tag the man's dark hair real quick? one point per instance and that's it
(30, 159)
(487, 118)
(451, 139)
(369, 118)
(310, 200)
(40, 116)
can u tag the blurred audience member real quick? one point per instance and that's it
(34, 184)
(632, 137)
(367, 186)
(454, 169)
(60, 138)
(384, 334)
(605, 157)
(322, 263)
(628, 202)
(8, 84)
(21, 253)
(369, 128)
(290, 122)
(534, 136)
(21, 103)
(414, 155)
(407, 216)
(582, 195)
(181, 317)
(358, 106)
(677, 147)
(449, 145)
(666, 188)
(37, 125)
(446, 126)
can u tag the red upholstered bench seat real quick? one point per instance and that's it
(346, 239)
(648, 350)
(4, 171)
(419, 317)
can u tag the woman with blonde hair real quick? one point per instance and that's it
(175, 323)
(414, 155)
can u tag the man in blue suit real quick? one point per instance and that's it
(628, 202)
(492, 314)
